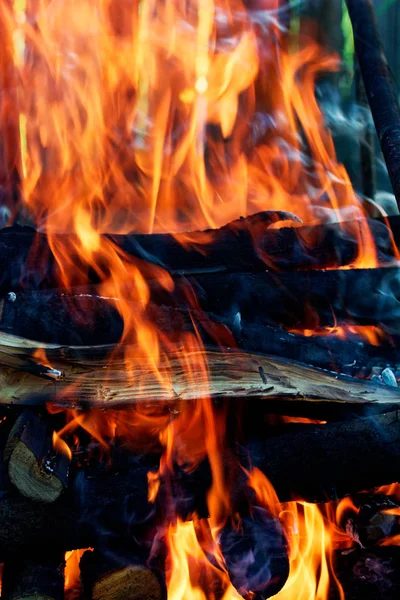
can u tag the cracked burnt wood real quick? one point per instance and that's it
(245, 245)
(83, 375)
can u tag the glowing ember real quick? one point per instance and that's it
(369, 333)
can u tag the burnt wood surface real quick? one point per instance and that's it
(301, 300)
(26, 261)
(244, 302)
(321, 462)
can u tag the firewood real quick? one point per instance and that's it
(108, 577)
(246, 245)
(85, 318)
(303, 300)
(315, 463)
(39, 578)
(231, 374)
(320, 462)
(368, 518)
(36, 468)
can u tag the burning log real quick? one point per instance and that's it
(39, 578)
(320, 462)
(314, 463)
(368, 518)
(85, 318)
(303, 300)
(104, 576)
(231, 374)
(246, 245)
(36, 468)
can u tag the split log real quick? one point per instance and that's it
(246, 245)
(296, 301)
(106, 576)
(84, 318)
(230, 374)
(34, 578)
(315, 463)
(37, 469)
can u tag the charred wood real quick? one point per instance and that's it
(372, 573)
(369, 518)
(41, 578)
(250, 244)
(315, 463)
(37, 469)
(305, 300)
(321, 462)
(255, 554)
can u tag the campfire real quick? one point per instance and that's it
(198, 314)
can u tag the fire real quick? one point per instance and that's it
(72, 573)
(371, 334)
(191, 571)
(137, 117)
(60, 446)
(311, 539)
(150, 116)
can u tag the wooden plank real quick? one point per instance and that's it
(231, 374)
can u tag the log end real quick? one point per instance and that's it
(33, 480)
(135, 582)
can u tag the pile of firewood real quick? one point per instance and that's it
(52, 502)
(254, 284)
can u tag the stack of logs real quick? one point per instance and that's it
(52, 502)
(254, 283)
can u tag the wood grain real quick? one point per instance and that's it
(88, 375)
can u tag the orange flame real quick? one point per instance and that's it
(61, 446)
(72, 572)
(372, 334)
(310, 539)
(190, 571)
